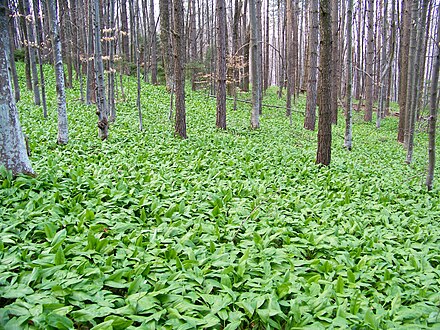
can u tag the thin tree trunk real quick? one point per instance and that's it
(13, 153)
(348, 141)
(32, 54)
(312, 85)
(433, 108)
(101, 103)
(12, 60)
(63, 135)
(383, 72)
(255, 69)
(335, 62)
(179, 74)
(323, 155)
(39, 29)
(27, 66)
(111, 73)
(420, 38)
(403, 60)
(266, 52)
(221, 65)
(370, 58)
(153, 44)
(164, 7)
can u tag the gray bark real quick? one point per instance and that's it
(63, 135)
(32, 54)
(312, 85)
(433, 109)
(221, 65)
(101, 103)
(348, 141)
(370, 58)
(13, 153)
(255, 69)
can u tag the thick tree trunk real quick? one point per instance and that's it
(221, 65)
(63, 136)
(101, 103)
(348, 141)
(433, 109)
(323, 155)
(179, 73)
(255, 68)
(13, 153)
(312, 85)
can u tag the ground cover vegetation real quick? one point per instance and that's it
(235, 229)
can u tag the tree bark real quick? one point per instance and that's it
(101, 103)
(335, 61)
(255, 68)
(39, 30)
(323, 155)
(420, 38)
(179, 74)
(63, 136)
(153, 44)
(13, 153)
(221, 65)
(31, 43)
(433, 109)
(12, 61)
(164, 7)
(312, 85)
(348, 141)
(403, 60)
(370, 58)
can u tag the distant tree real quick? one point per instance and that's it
(420, 28)
(405, 29)
(63, 136)
(179, 73)
(335, 61)
(101, 103)
(348, 141)
(10, 50)
(323, 155)
(433, 108)
(31, 43)
(153, 44)
(39, 46)
(13, 153)
(167, 59)
(255, 68)
(221, 64)
(370, 62)
(312, 85)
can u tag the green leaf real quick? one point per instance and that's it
(59, 321)
(59, 257)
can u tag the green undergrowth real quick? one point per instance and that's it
(225, 230)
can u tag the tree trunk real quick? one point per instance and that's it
(403, 60)
(63, 136)
(433, 109)
(370, 59)
(32, 54)
(111, 63)
(335, 61)
(266, 51)
(310, 118)
(39, 30)
(384, 67)
(101, 103)
(153, 44)
(323, 155)
(27, 67)
(12, 60)
(167, 49)
(221, 65)
(13, 153)
(179, 74)
(348, 141)
(420, 38)
(255, 68)
(125, 33)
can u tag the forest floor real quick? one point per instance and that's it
(225, 230)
